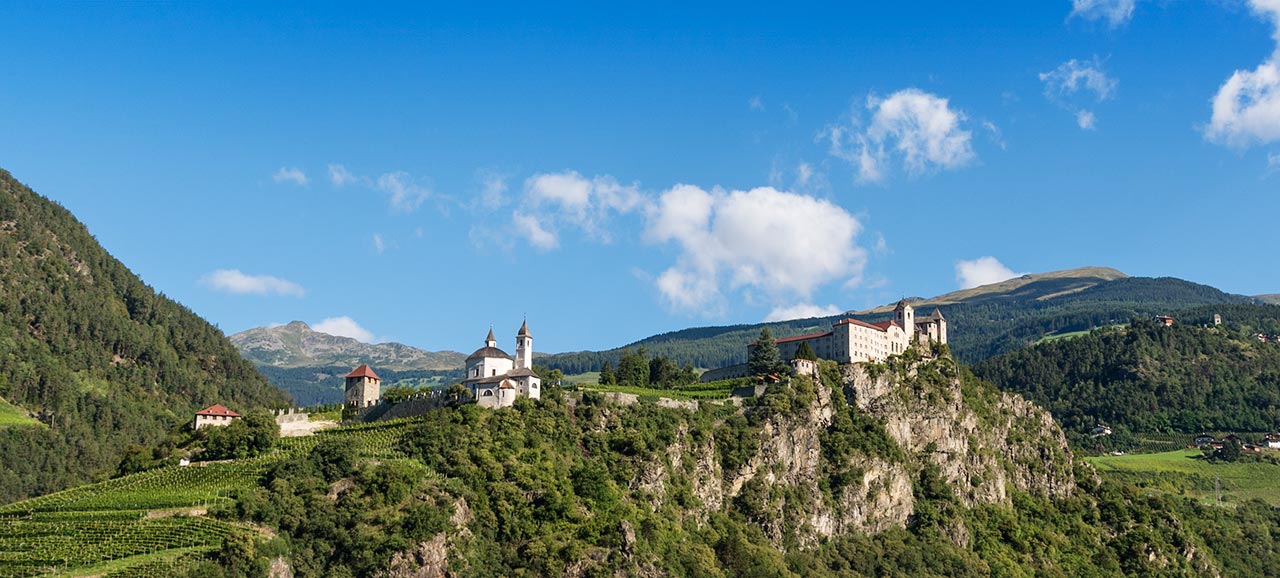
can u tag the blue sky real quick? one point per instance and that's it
(416, 173)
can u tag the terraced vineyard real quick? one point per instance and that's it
(145, 524)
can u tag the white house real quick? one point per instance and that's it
(215, 415)
(496, 379)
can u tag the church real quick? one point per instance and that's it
(851, 340)
(495, 379)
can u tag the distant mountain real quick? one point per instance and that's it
(1036, 286)
(94, 355)
(983, 321)
(1272, 298)
(298, 345)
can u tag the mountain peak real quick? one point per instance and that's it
(296, 344)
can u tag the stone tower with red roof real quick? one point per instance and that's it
(364, 387)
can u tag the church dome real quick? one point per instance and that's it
(484, 352)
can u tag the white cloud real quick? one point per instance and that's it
(804, 171)
(1246, 109)
(755, 103)
(344, 327)
(406, 194)
(918, 127)
(781, 244)
(802, 311)
(291, 175)
(378, 244)
(493, 189)
(340, 176)
(1086, 120)
(569, 199)
(233, 281)
(982, 271)
(529, 226)
(1075, 85)
(1115, 12)
(1074, 76)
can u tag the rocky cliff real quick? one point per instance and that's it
(844, 454)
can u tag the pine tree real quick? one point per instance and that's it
(606, 374)
(764, 356)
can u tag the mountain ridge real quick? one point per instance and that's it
(296, 344)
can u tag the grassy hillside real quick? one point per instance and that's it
(982, 322)
(551, 489)
(1149, 378)
(93, 353)
(154, 523)
(1186, 473)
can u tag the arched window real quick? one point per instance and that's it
(488, 393)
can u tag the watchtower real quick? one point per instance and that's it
(363, 387)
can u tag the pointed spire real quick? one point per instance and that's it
(489, 340)
(937, 313)
(524, 329)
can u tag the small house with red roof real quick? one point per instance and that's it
(364, 387)
(214, 415)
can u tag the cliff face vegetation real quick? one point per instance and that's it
(912, 467)
(93, 354)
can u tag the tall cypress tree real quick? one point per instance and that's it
(805, 352)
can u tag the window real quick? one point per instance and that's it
(495, 372)
(488, 393)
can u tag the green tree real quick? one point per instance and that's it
(805, 352)
(764, 357)
(607, 377)
(633, 369)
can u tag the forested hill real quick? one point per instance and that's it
(981, 323)
(1146, 377)
(94, 355)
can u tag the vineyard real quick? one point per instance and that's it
(146, 524)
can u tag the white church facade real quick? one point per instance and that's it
(851, 340)
(496, 379)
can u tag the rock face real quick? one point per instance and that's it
(981, 448)
(983, 442)
(298, 345)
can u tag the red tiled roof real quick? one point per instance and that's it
(218, 410)
(363, 371)
(797, 337)
(803, 337)
(852, 321)
(883, 325)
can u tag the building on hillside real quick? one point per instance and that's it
(364, 387)
(214, 415)
(1217, 319)
(1164, 320)
(807, 367)
(851, 340)
(496, 379)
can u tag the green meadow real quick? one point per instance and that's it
(11, 415)
(1186, 473)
